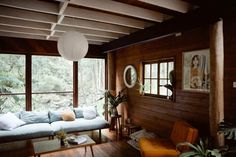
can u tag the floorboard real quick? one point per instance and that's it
(110, 147)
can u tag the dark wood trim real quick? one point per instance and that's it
(75, 84)
(40, 47)
(106, 87)
(182, 23)
(28, 82)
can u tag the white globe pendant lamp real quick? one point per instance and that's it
(72, 46)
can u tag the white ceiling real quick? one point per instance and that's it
(101, 21)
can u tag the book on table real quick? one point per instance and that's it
(76, 139)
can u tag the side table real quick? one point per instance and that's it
(116, 121)
(131, 128)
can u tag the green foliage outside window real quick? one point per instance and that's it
(52, 83)
(12, 83)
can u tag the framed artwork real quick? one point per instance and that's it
(196, 70)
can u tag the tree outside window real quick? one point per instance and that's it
(91, 82)
(52, 83)
(12, 83)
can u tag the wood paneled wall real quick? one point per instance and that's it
(159, 115)
(230, 69)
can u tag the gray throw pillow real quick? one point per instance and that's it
(54, 116)
(79, 112)
(30, 117)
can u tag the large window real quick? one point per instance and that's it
(12, 83)
(52, 83)
(91, 82)
(156, 77)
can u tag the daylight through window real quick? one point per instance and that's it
(52, 83)
(91, 82)
(156, 77)
(12, 83)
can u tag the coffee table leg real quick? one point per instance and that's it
(92, 151)
(85, 149)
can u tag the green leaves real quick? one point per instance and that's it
(198, 150)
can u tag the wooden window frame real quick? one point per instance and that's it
(28, 82)
(158, 62)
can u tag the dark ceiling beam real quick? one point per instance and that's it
(200, 17)
(40, 47)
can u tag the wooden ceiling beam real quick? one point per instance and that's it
(24, 23)
(21, 35)
(88, 37)
(121, 8)
(105, 17)
(181, 23)
(32, 5)
(96, 25)
(27, 15)
(24, 30)
(61, 28)
(176, 5)
(40, 47)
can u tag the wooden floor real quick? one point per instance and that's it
(110, 147)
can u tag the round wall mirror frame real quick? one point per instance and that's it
(130, 76)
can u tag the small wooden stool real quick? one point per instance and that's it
(115, 122)
(131, 128)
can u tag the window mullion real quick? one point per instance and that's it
(167, 76)
(28, 82)
(158, 79)
(150, 78)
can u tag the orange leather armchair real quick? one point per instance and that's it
(159, 147)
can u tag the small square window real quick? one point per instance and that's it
(156, 78)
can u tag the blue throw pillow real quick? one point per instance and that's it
(54, 116)
(30, 117)
(78, 112)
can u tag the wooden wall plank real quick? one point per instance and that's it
(159, 115)
(156, 114)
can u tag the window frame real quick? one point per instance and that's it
(158, 62)
(28, 80)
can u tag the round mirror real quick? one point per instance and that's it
(130, 76)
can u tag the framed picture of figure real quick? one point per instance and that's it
(196, 70)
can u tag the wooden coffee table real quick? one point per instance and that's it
(49, 146)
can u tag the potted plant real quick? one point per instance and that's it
(61, 135)
(115, 100)
(199, 150)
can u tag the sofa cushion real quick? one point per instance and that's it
(34, 117)
(9, 121)
(80, 124)
(54, 116)
(78, 112)
(157, 147)
(26, 132)
(89, 112)
(68, 115)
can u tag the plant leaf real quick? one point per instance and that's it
(202, 145)
(188, 154)
(187, 144)
(200, 149)
(215, 152)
